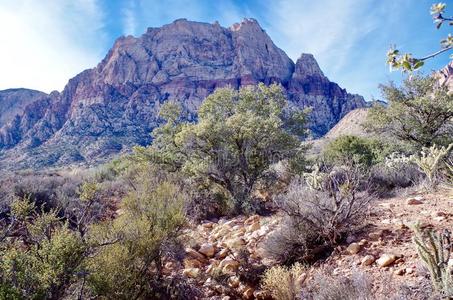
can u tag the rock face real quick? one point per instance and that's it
(107, 109)
(14, 101)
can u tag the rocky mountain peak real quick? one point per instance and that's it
(108, 109)
(307, 65)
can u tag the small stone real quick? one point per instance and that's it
(191, 272)
(208, 225)
(207, 249)
(374, 236)
(367, 260)
(353, 248)
(229, 265)
(233, 281)
(255, 226)
(261, 295)
(248, 293)
(399, 272)
(363, 242)
(409, 270)
(439, 214)
(413, 201)
(195, 254)
(223, 253)
(386, 260)
(439, 219)
(252, 219)
(235, 243)
(192, 263)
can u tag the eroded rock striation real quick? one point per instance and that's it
(108, 109)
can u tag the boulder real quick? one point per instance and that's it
(353, 248)
(207, 249)
(367, 260)
(386, 260)
(191, 272)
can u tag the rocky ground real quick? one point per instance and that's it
(382, 250)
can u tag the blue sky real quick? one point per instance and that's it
(46, 42)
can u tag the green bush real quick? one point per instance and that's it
(44, 260)
(128, 263)
(357, 150)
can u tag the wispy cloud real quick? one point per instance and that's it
(44, 43)
(129, 18)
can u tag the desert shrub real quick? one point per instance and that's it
(353, 149)
(44, 260)
(315, 220)
(328, 287)
(128, 265)
(284, 283)
(394, 173)
(434, 250)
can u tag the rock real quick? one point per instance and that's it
(400, 272)
(439, 219)
(233, 281)
(353, 248)
(254, 227)
(386, 260)
(222, 253)
(367, 260)
(191, 272)
(194, 254)
(374, 236)
(363, 242)
(262, 295)
(413, 201)
(207, 249)
(229, 265)
(192, 263)
(235, 243)
(252, 219)
(409, 270)
(248, 293)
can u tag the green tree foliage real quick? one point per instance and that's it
(239, 134)
(419, 113)
(405, 61)
(353, 149)
(128, 263)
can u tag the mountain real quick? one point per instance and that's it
(107, 109)
(14, 101)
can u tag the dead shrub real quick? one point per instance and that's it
(316, 220)
(328, 287)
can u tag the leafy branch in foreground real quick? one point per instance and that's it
(405, 61)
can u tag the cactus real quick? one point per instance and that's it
(314, 178)
(430, 161)
(434, 249)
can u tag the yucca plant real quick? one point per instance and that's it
(434, 250)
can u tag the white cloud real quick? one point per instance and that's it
(129, 19)
(44, 43)
(328, 29)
